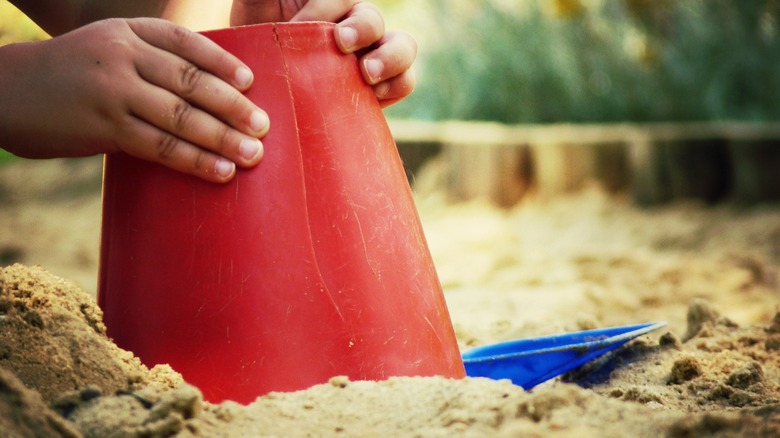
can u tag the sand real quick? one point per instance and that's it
(545, 266)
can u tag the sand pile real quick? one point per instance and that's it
(721, 381)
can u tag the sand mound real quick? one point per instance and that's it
(24, 414)
(54, 339)
(76, 382)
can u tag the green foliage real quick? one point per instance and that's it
(607, 61)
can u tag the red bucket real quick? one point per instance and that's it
(310, 265)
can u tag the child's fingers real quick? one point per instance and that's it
(177, 117)
(324, 10)
(394, 55)
(361, 28)
(202, 90)
(195, 48)
(200, 122)
(394, 89)
(150, 143)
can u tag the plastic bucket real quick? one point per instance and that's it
(312, 264)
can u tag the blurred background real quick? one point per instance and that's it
(558, 61)
(659, 99)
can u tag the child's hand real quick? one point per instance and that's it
(143, 86)
(388, 57)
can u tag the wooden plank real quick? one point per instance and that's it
(756, 170)
(655, 162)
(496, 172)
(496, 133)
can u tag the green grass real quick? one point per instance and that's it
(614, 61)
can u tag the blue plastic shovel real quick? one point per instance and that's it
(529, 362)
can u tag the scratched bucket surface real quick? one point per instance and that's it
(312, 264)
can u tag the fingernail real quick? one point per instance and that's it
(258, 121)
(373, 69)
(381, 90)
(243, 77)
(224, 168)
(348, 37)
(250, 148)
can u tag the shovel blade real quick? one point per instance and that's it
(529, 362)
